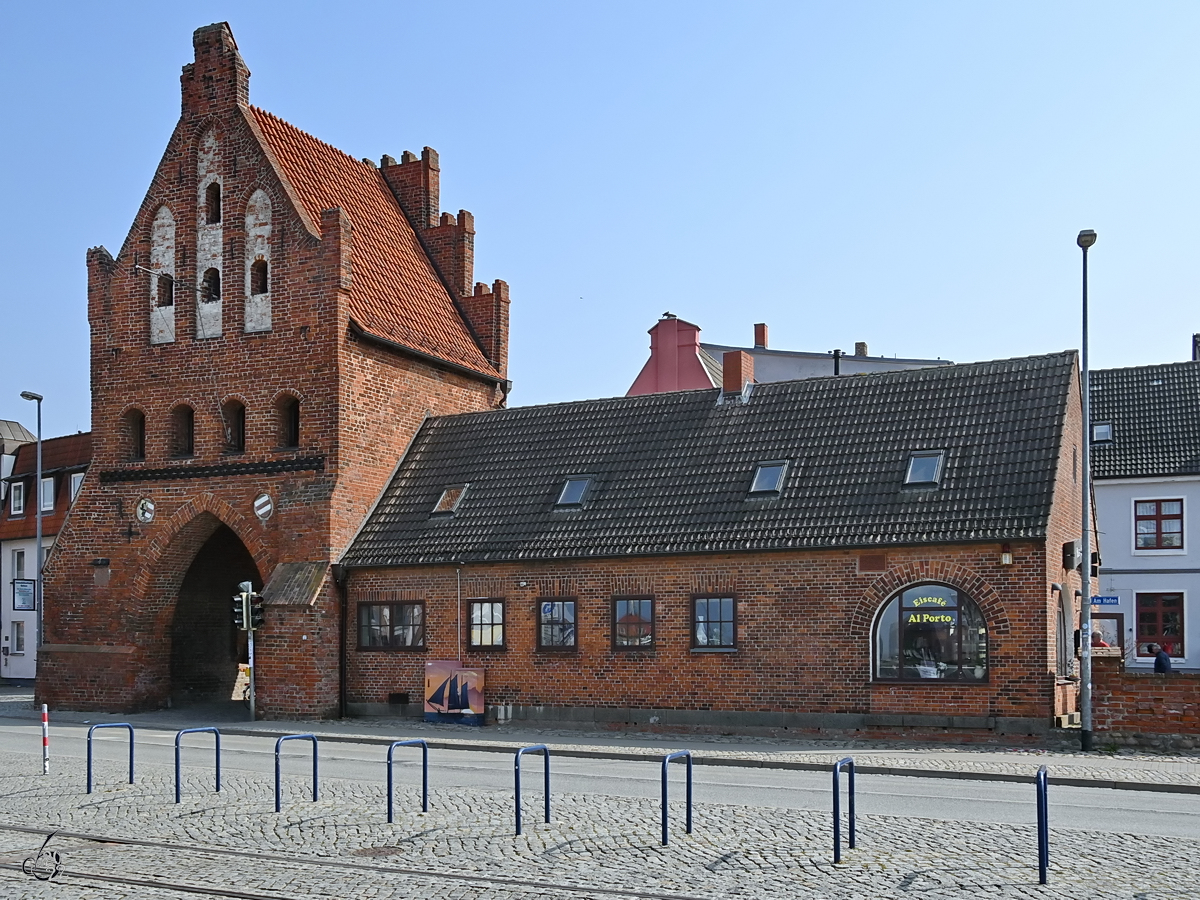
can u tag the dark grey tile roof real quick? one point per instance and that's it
(713, 366)
(672, 470)
(1155, 414)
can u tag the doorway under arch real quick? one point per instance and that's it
(206, 648)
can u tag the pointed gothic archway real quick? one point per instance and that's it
(205, 646)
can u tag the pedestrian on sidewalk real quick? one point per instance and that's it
(1162, 661)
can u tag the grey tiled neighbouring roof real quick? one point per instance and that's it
(1155, 414)
(672, 470)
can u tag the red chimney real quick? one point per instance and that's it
(737, 368)
(760, 336)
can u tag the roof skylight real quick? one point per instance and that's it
(925, 468)
(1102, 431)
(768, 478)
(574, 490)
(451, 497)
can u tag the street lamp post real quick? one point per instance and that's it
(37, 501)
(1085, 240)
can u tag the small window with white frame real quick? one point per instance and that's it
(925, 468)
(48, 494)
(76, 484)
(1102, 432)
(768, 478)
(18, 637)
(16, 499)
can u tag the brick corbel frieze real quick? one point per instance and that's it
(995, 613)
(248, 532)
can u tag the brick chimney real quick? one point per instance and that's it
(674, 363)
(760, 336)
(737, 368)
(860, 348)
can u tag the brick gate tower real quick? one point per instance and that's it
(276, 326)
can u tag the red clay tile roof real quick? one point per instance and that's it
(74, 451)
(69, 451)
(396, 293)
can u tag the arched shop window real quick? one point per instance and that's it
(931, 631)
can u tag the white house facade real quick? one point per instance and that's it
(1146, 471)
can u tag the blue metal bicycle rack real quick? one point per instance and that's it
(295, 737)
(209, 730)
(517, 769)
(1043, 823)
(678, 754)
(424, 773)
(89, 749)
(848, 762)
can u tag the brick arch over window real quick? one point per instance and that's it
(862, 618)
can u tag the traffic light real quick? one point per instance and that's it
(240, 608)
(256, 611)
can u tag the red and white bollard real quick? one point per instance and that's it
(45, 740)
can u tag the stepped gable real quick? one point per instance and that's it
(672, 471)
(396, 293)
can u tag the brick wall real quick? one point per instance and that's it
(804, 624)
(1129, 706)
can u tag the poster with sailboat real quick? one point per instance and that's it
(452, 693)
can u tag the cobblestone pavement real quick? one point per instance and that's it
(233, 844)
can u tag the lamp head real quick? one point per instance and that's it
(30, 395)
(1086, 238)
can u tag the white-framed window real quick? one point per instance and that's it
(18, 637)
(18, 560)
(47, 493)
(76, 484)
(16, 502)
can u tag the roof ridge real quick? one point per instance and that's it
(853, 378)
(1148, 366)
(309, 135)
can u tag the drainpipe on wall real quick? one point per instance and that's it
(340, 576)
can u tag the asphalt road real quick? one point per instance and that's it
(949, 800)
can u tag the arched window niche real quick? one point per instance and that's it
(183, 431)
(133, 435)
(212, 203)
(287, 411)
(929, 632)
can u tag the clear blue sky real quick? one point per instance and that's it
(909, 174)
